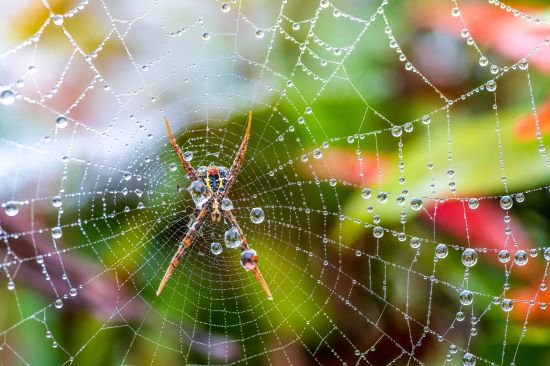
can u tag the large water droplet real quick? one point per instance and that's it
(506, 202)
(227, 204)
(469, 257)
(199, 193)
(507, 305)
(469, 359)
(216, 248)
(503, 256)
(378, 232)
(232, 238)
(249, 259)
(466, 297)
(7, 97)
(257, 215)
(188, 155)
(61, 122)
(416, 204)
(491, 85)
(441, 251)
(11, 208)
(382, 197)
(57, 202)
(523, 64)
(58, 19)
(57, 232)
(521, 258)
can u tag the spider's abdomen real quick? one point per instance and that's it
(214, 182)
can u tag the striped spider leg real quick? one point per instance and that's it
(210, 185)
(249, 258)
(186, 165)
(185, 243)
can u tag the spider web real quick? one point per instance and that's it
(361, 269)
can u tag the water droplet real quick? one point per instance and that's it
(226, 7)
(58, 19)
(7, 97)
(57, 232)
(188, 155)
(127, 176)
(232, 238)
(304, 158)
(317, 153)
(469, 359)
(523, 64)
(507, 305)
(491, 85)
(455, 12)
(206, 36)
(521, 258)
(259, 33)
(416, 204)
(173, 167)
(469, 257)
(520, 197)
(396, 131)
(466, 297)
(547, 254)
(226, 204)
(11, 285)
(426, 120)
(441, 251)
(257, 215)
(382, 197)
(249, 259)
(408, 127)
(332, 182)
(61, 122)
(11, 208)
(216, 248)
(58, 304)
(199, 193)
(506, 202)
(473, 203)
(365, 193)
(378, 232)
(483, 61)
(325, 3)
(415, 242)
(73, 292)
(503, 256)
(57, 202)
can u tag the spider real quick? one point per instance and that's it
(209, 189)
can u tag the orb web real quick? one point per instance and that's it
(372, 233)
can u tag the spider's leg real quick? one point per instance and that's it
(231, 221)
(186, 165)
(185, 242)
(239, 159)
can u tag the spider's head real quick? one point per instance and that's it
(213, 170)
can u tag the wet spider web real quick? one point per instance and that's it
(352, 247)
